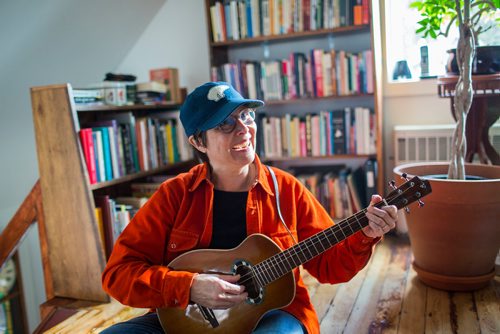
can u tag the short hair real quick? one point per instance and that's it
(201, 139)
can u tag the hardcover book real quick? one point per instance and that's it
(87, 143)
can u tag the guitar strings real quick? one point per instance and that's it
(286, 255)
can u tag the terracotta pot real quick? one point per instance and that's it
(455, 237)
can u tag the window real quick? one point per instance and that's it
(405, 51)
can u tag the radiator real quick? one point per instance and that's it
(420, 143)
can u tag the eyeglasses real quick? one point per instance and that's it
(247, 117)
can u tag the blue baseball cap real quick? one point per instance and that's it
(210, 104)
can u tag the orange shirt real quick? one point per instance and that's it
(178, 218)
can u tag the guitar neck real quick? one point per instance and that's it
(282, 263)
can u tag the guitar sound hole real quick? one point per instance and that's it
(247, 279)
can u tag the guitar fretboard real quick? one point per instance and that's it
(282, 263)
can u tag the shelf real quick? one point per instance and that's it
(135, 176)
(311, 99)
(293, 36)
(322, 158)
(140, 107)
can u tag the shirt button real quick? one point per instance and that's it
(176, 301)
(173, 246)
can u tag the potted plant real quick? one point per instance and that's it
(456, 237)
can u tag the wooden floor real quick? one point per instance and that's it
(385, 297)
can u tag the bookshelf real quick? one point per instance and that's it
(75, 257)
(12, 308)
(294, 36)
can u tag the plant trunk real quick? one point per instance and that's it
(463, 91)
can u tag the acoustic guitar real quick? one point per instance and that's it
(266, 270)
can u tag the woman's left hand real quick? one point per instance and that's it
(380, 221)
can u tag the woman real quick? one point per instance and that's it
(217, 204)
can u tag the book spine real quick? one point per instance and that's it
(107, 153)
(113, 148)
(87, 143)
(338, 126)
(98, 148)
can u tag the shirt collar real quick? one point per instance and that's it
(202, 172)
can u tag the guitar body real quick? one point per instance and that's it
(243, 317)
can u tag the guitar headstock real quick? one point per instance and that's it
(410, 191)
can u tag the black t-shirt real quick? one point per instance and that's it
(229, 219)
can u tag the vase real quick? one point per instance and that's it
(455, 237)
(486, 61)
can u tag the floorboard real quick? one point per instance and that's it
(385, 297)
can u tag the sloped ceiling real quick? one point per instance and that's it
(47, 42)
(57, 41)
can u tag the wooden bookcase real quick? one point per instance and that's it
(353, 38)
(74, 257)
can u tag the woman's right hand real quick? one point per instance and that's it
(217, 291)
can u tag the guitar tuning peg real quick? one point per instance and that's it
(392, 184)
(420, 203)
(404, 176)
(407, 209)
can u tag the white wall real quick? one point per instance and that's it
(415, 103)
(56, 41)
(176, 37)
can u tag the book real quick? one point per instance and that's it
(88, 96)
(356, 182)
(144, 189)
(370, 169)
(142, 143)
(152, 86)
(100, 226)
(338, 131)
(136, 202)
(113, 138)
(98, 148)
(106, 152)
(126, 122)
(103, 202)
(87, 142)
(169, 77)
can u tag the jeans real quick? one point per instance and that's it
(274, 322)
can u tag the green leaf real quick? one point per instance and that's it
(417, 4)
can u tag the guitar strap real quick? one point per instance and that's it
(277, 193)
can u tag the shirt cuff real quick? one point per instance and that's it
(177, 288)
(365, 241)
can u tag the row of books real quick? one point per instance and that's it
(345, 192)
(114, 214)
(122, 144)
(344, 131)
(319, 73)
(342, 193)
(240, 19)
(163, 86)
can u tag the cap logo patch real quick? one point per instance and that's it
(217, 92)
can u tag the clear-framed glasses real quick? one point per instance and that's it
(246, 117)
